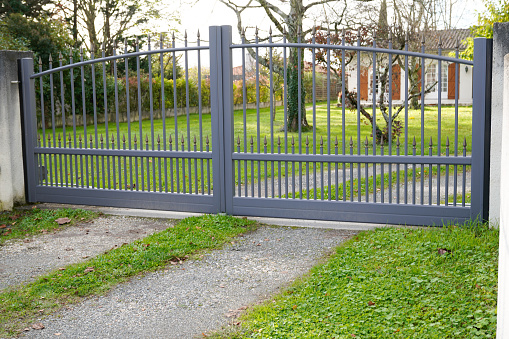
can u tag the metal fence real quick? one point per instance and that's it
(301, 159)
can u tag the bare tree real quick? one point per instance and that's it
(288, 18)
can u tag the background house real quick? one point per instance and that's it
(431, 73)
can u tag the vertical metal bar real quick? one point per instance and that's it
(439, 118)
(456, 141)
(423, 98)
(171, 165)
(464, 184)
(73, 107)
(285, 108)
(252, 169)
(299, 113)
(159, 162)
(336, 169)
(106, 119)
(43, 119)
(481, 128)
(175, 111)
(163, 110)
(257, 70)
(272, 113)
(430, 174)
(151, 105)
(374, 81)
(94, 104)
(390, 118)
(447, 173)
(343, 110)
(200, 115)
(397, 173)
(406, 117)
(140, 117)
(413, 172)
(117, 118)
(351, 171)
(84, 105)
(313, 41)
(239, 174)
(343, 102)
(195, 162)
(128, 112)
(244, 112)
(188, 116)
(382, 170)
(29, 122)
(62, 107)
(265, 172)
(366, 169)
(208, 164)
(52, 103)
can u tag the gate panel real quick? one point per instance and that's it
(129, 130)
(299, 155)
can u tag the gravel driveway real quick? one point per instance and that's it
(198, 296)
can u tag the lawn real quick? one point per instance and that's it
(391, 282)
(195, 176)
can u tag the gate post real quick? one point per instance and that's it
(221, 96)
(228, 133)
(481, 128)
(29, 122)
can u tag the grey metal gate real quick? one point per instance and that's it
(86, 140)
(429, 171)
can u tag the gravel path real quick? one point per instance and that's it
(23, 261)
(198, 296)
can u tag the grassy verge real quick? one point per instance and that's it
(402, 283)
(22, 223)
(21, 305)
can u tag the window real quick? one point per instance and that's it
(432, 78)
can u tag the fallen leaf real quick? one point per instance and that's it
(294, 307)
(85, 256)
(57, 333)
(38, 326)
(62, 221)
(477, 286)
(370, 303)
(88, 269)
(3, 226)
(61, 269)
(442, 251)
(8, 231)
(26, 329)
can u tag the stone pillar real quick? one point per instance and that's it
(500, 49)
(12, 182)
(503, 257)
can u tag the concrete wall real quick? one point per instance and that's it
(503, 258)
(500, 49)
(12, 184)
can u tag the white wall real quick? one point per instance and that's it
(503, 258)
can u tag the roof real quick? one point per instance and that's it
(449, 38)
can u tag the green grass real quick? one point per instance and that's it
(123, 172)
(21, 223)
(391, 282)
(21, 305)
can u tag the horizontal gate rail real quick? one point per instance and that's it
(355, 159)
(125, 153)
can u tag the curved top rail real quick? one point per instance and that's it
(358, 48)
(115, 57)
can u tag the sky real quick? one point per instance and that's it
(205, 13)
